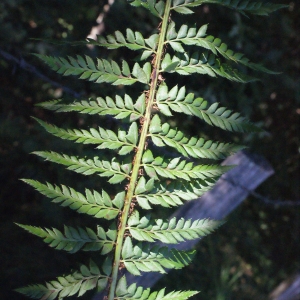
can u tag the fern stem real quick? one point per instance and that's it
(140, 150)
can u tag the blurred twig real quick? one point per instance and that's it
(276, 202)
(22, 63)
(267, 200)
(100, 27)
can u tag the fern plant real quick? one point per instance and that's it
(143, 176)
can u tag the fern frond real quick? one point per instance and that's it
(102, 168)
(73, 240)
(79, 282)
(134, 292)
(168, 194)
(104, 71)
(177, 100)
(255, 8)
(93, 203)
(106, 139)
(196, 37)
(132, 41)
(170, 232)
(118, 107)
(184, 170)
(162, 135)
(150, 180)
(140, 258)
(202, 63)
(179, 168)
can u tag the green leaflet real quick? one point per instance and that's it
(132, 40)
(178, 168)
(74, 239)
(170, 232)
(139, 293)
(177, 100)
(204, 63)
(103, 71)
(92, 203)
(79, 282)
(106, 139)
(197, 37)
(118, 107)
(256, 8)
(168, 194)
(190, 147)
(140, 258)
(102, 168)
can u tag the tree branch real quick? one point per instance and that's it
(30, 68)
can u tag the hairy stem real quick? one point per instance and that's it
(140, 150)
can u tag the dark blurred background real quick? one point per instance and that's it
(259, 245)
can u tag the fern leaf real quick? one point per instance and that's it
(196, 37)
(170, 232)
(202, 63)
(106, 139)
(255, 8)
(168, 194)
(132, 41)
(134, 292)
(193, 147)
(178, 168)
(140, 258)
(168, 199)
(118, 107)
(177, 100)
(104, 71)
(79, 282)
(93, 203)
(73, 239)
(102, 168)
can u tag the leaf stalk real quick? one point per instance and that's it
(140, 149)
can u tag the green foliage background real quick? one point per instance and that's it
(257, 248)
